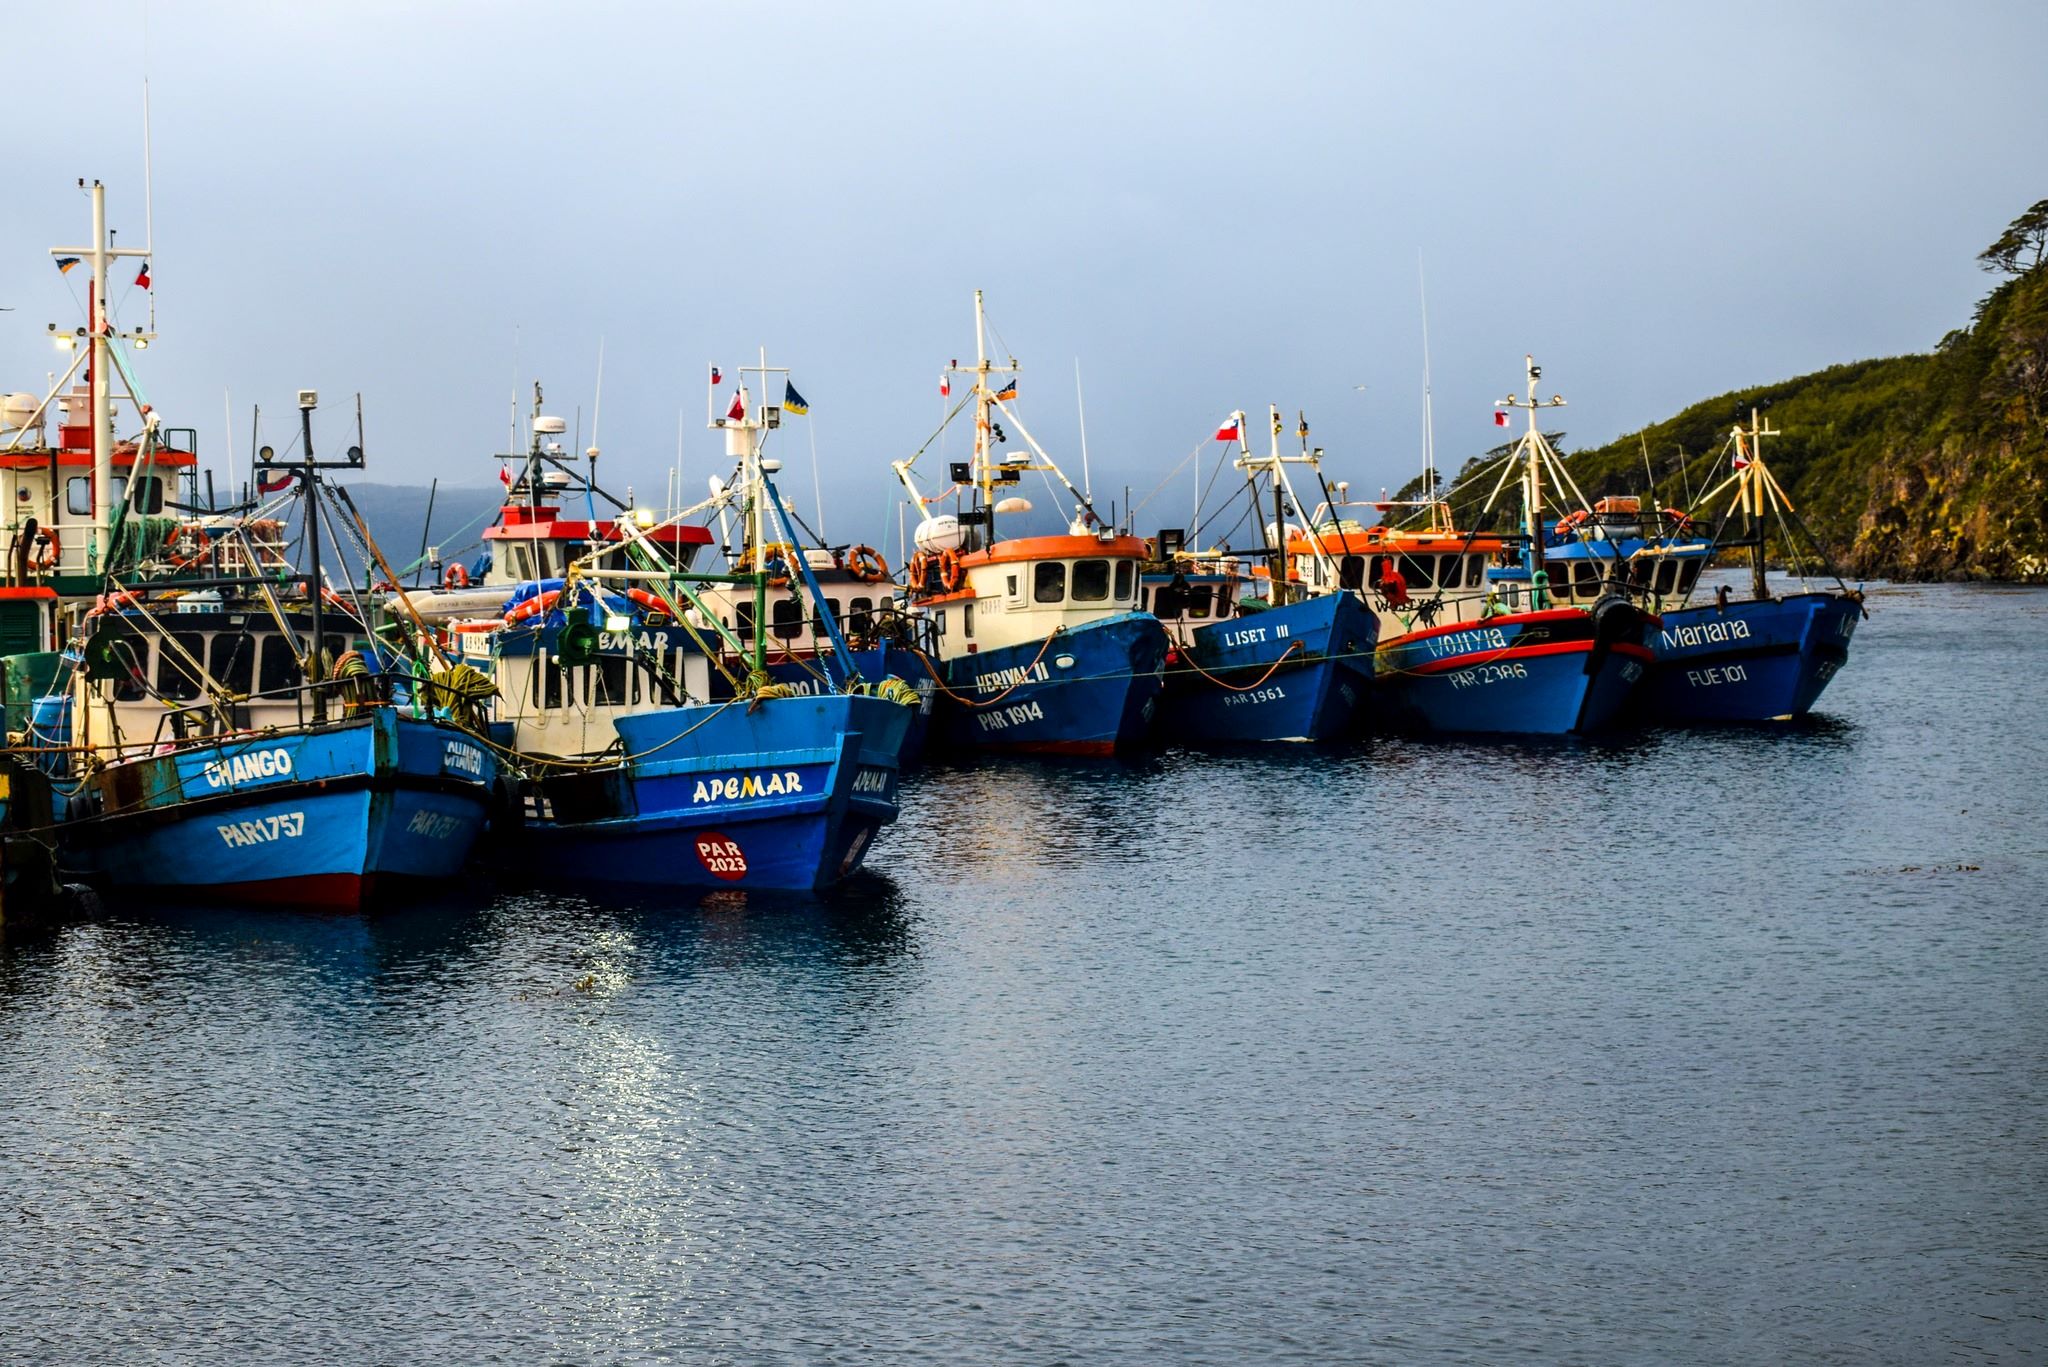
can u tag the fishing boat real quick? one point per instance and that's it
(1466, 646)
(1293, 665)
(244, 735)
(1762, 658)
(1040, 645)
(537, 535)
(633, 773)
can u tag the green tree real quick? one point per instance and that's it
(2024, 235)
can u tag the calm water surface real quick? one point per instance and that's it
(1720, 1046)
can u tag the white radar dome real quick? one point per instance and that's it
(17, 409)
(549, 427)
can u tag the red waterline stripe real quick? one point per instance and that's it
(1512, 653)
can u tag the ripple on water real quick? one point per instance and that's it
(1700, 1046)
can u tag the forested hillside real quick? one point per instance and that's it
(1912, 467)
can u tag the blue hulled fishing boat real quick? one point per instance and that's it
(1294, 665)
(1764, 658)
(634, 773)
(232, 729)
(1519, 653)
(1040, 645)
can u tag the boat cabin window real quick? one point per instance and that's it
(967, 620)
(145, 495)
(547, 681)
(1014, 593)
(231, 659)
(176, 675)
(1049, 581)
(276, 666)
(1560, 572)
(1351, 572)
(743, 620)
(1091, 581)
(1453, 575)
(860, 615)
(1125, 575)
(1689, 573)
(787, 622)
(1667, 575)
(130, 653)
(1586, 579)
(78, 496)
(832, 611)
(1419, 571)
(519, 561)
(1475, 571)
(1198, 600)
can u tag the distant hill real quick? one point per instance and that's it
(1912, 467)
(397, 514)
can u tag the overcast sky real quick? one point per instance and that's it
(1210, 206)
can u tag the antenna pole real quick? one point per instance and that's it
(1087, 484)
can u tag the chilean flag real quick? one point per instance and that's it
(1741, 459)
(945, 384)
(1500, 417)
(739, 406)
(1229, 431)
(716, 378)
(505, 475)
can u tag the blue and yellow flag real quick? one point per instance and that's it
(65, 263)
(793, 402)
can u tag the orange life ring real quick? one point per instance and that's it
(45, 552)
(456, 576)
(114, 602)
(919, 567)
(1679, 521)
(651, 602)
(866, 564)
(533, 607)
(204, 543)
(950, 572)
(1571, 519)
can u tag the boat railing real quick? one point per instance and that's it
(328, 699)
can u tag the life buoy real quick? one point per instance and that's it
(764, 556)
(1680, 523)
(202, 543)
(865, 563)
(44, 551)
(532, 607)
(950, 572)
(919, 570)
(114, 602)
(1571, 519)
(650, 602)
(456, 576)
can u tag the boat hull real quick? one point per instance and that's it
(1090, 690)
(1550, 673)
(319, 818)
(1295, 673)
(786, 796)
(1751, 661)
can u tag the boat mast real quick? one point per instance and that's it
(310, 491)
(984, 399)
(1532, 484)
(1753, 500)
